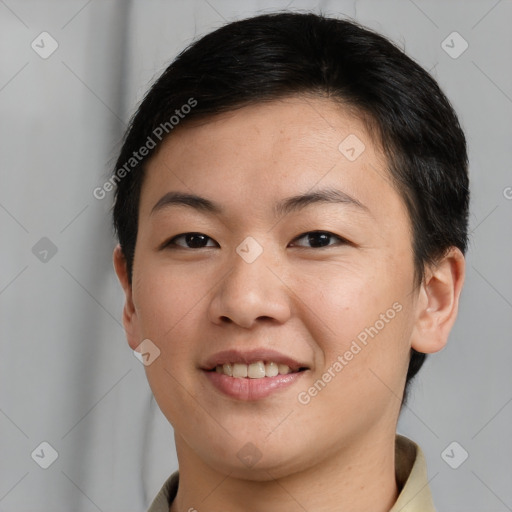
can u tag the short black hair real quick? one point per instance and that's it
(282, 54)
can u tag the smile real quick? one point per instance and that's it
(251, 375)
(257, 370)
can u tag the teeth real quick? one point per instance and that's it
(256, 370)
(283, 369)
(271, 369)
(239, 370)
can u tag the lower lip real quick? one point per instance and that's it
(251, 389)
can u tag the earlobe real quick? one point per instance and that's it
(129, 312)
(438, 302)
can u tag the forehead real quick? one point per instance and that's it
(257, 154)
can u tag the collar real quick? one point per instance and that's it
(410, 471)
(411, 478)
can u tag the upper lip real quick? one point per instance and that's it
(251, 356)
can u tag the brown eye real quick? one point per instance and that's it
(318, 239)
(191, 241)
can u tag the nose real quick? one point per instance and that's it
(251, 293)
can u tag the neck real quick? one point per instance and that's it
(354, 479)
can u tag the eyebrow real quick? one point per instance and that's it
(283, 207)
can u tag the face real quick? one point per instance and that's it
(293, 257)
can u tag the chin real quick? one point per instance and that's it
(254, 460)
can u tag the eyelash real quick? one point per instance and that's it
(171, 244)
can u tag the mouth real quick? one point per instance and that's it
(252, 375)
(257, 370)
(253, 364)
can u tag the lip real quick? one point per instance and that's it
(251, 389)
(252, 356)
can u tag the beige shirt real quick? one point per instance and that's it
(410, 471)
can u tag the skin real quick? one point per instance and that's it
(337, 451)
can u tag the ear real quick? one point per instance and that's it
(129, 311)
(438, 302)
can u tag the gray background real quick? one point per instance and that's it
(67, 375)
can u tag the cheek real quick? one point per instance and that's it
(345, 301)
(170, 309)
(361, 321)
(164, 298)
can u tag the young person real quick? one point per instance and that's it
(291, 207)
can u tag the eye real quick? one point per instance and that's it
(190, 241)
(319, 239)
